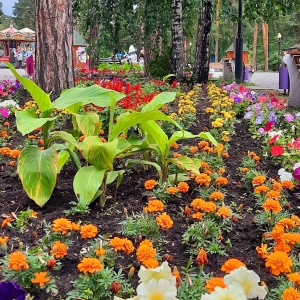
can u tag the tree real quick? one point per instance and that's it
(54, 46)
(178, 57)
(22, 10)
(201, 66)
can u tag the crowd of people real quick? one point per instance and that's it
(20, 58)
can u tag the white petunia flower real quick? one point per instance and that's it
(296, 166)
(232, 292)
(153, 289)
(161, 272)
(273, 133)
(284, 175)
(248, 280)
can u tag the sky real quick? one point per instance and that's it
(7, 6)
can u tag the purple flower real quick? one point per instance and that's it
(296, 174)
(248, 115)
(259, 119)
(10, 291)
(237, 99)
(249, 95)
(272, 117)
(260, 130)
(4, 112)
(289, 118)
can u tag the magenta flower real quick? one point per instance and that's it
(296, 174)
(4, 112)
(289, 118)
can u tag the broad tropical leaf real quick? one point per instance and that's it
(159, 100)
(89, 124)
(187, 164)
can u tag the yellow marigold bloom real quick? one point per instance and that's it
(144, 253)
(183, 187)
(223, 212)
(40, 278)
(288, 184)
(221, 181)
(202, 258)
(197, 203)
(272, 205)
(62, 225)
(209, 110)
(279, 262)
(294, 277)
(164, 221)
(273, 194)
(58, 249)
(88, 231)
(232, 264)
(89, 265)
(258, 180)
(290, 294)
(194, 149)
(216, 196)
(203, 179)
(151, 263)
(150, 184)
(172, 190)
(261, 189)
(262, 251)
(208, 207)
(197, 216)
(17, 261)
(214, 282)
(155, 206)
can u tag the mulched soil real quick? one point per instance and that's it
(131, 194)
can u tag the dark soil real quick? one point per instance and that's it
(131, 194)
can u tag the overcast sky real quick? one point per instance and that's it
(7, 6)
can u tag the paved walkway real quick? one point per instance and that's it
(6, 73)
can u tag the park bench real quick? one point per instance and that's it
(110, 60)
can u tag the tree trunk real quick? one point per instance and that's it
(54, 46)
(178, 59)
(254, 58)
(201, 66)
(217, 32)
(265, 32)
(93, 44)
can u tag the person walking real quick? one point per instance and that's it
(29, 62)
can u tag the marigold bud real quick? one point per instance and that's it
(115, 287)
(51, 263)
(202, 258)
(131, 272)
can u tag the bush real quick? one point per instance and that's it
(161, 65)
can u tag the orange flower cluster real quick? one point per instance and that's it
(202, 258)
(261, 189)
(40, 278)
(216, 196)
(17, 261)
(58, 249)
(4, 134)
(288, 184)
(197, 216)
(203, 179)
(89, 265)
(214, 282)
(172, 190)
(11, 153)
(258, 180)
(245, 170)
(205, 206)
(254, 156)
(271, 205)
(122, 245)
(262, 251)
(183, 187)
(164, 221)
(155, 206)
(174, 145)
(232, 264)
(279, 262)
(294, 277)
(100, 252)
(150, 184)
(221, 181)
(290, 294)
(194, 149)
(88, 231)
(223, 212)
(203, 144)
(145, 254)
(273, 194)
(62, 225)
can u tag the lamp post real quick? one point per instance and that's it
(239, 47)
(279, 48)
(190, 44)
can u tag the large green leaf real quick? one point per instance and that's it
(65, 136)
(92, 94)
(111, 176)
(27, 121)
(38, 170)
(159, 100)
(87, 182)
(41, 98)
(130, 162)
(209, 137)
(100, 155)
(88, 123)
(187, 164)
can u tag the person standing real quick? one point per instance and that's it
(12, 56)
(29, 62)
(20, 59)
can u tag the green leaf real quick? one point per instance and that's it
(88, 123)
(65, 136)
(87, 182)
(38, 170)
(159, 101)
(181, 135)
(111, 176)
(130, 162)
(187, 164)
(209, 137)
(27, 121)
(168, 76)
(41, 98)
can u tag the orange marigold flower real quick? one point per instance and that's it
(58, 249)
(203, 179)
(258, 180)
(89, 265)
(5, 151)
(287, 223)
(62, 225)
(225, 154)
(41, 142)
(176, 274)
(290, 294)
(221, 181)
(100, 252)
(128, 246)
(197, 216)
(6, 124)
(187, 211)
(197, 203)
(208, 207)
(40, 278)
(205, 165)
(88, 231)
(279, 262)
(176, 155)
(174, 145)
(214, 282)
(5, 222)
(12, 163)
(75, 226)
(261, 189)
(155, 206)
(17, 261)
(3, 240)
(4, 134)
(203, 144)
(282, 247)
(151, 263)
(150, 184)
(273, 194)
(288, 184)
(262, 251)
(272, 205)
(144, 253)
(276, 186)
(223, 212)
(116, 243)
(194, 149)
(202, 258)
(291, 238)
(256, 158)
(147, 243)
(207, 149)
(221, 171)
(225, 139)
(164, 221)
(245, 170)
(294, 277)
(232, 264)
(296, 219)
(216, 196)
(172, 190)
(183, 187)
(277, 233)
(103, 140)
(81, 138)
(14, 153)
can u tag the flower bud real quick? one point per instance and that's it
(115, 287)
(131, 272)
